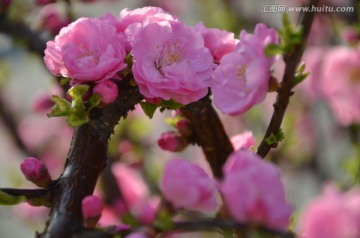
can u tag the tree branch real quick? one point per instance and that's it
(85, 161)
(292, 61)
(209, 133)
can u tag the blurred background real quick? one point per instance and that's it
(321, 141)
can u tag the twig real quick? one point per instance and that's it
(29, 193)
(209, 133)
(292, 61)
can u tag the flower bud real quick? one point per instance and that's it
(107, 90)
(36, 172)
(92, 207)
(172, 141)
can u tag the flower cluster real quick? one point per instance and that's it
(251, 189)
(170, 60)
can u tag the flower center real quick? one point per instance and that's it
(168, 55)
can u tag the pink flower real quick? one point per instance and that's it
(36, 172)
(242, 77)
(52, 20)
(332, 215)
(187, 186)
(340, 84)
(220, 42)
(107, 90)
(171, 62)
(92, 207)
(86, 50)
(172, 141)
(244, 140)
(253, 191)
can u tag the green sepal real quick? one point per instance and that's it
(148, 108)
(6, 199)
(273, 139)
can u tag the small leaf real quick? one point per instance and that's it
(164, 221)
(273, 49)
(148, 108)
(79, 119)
(61, 108)
(273, 139)
(64, 81)
(78, 90)
(170, 104)
(6, 199)
(93, 101)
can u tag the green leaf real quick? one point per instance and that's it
(93, 101)
(300, 75)
(148, 108)
(170, 104)
(6, 199)
(62, 107)
(64, 81)
(78, 90)
(290, 36)
(273, 139)
(164, 221)
(273, 49)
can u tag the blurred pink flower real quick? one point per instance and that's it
(332, 215)
(244, 140)
(51, 19)
(340, 83)
(171, 62)
(89, 49)
(136, 193)
(253, 191)
(107, 90)
(36, 172)
(242, 77)
(91, 207)
(350, 35)
(187, 186)
(220, 42)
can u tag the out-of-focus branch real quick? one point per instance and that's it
(284, 92)
(209, 133)
(20, 30)
(85, 161)
(213, 224)
(29, 194)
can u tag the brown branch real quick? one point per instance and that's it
(284, 92)
(209, 133)
(30, 194)
(211, 224)
(85, 161)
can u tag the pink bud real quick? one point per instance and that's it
(42, 103)
(107, 90)
(183, 125)
(187, 186)
(36, 172)
(172, 141)
(92, 207)
(350, 35)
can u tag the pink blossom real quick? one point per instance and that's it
(92, 207)
(244, 140)
(172, 141)
(253, 191)
(88, 49)
(332, 215)
(187, 186)
(137, 234)
(340, 83)
(350, 35)
(171, 62)
(107, 90)
(35, 171)
(52, 20)
(242, 77)
(220, 42)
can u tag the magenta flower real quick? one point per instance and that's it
(187, 186)
(107, 90)
(332, 215)
(86, 50)
(242, 77)
(36, 172)
(340, 84)
(244, 140)
(220, 42)
(171, 62)
(92, 207)
(253, 191)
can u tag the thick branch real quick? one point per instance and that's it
(85, 161)
(212, 224)
(209, 133)
(292, 61)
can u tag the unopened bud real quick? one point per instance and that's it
(36, 172)
(92, 207)
(172, 141)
